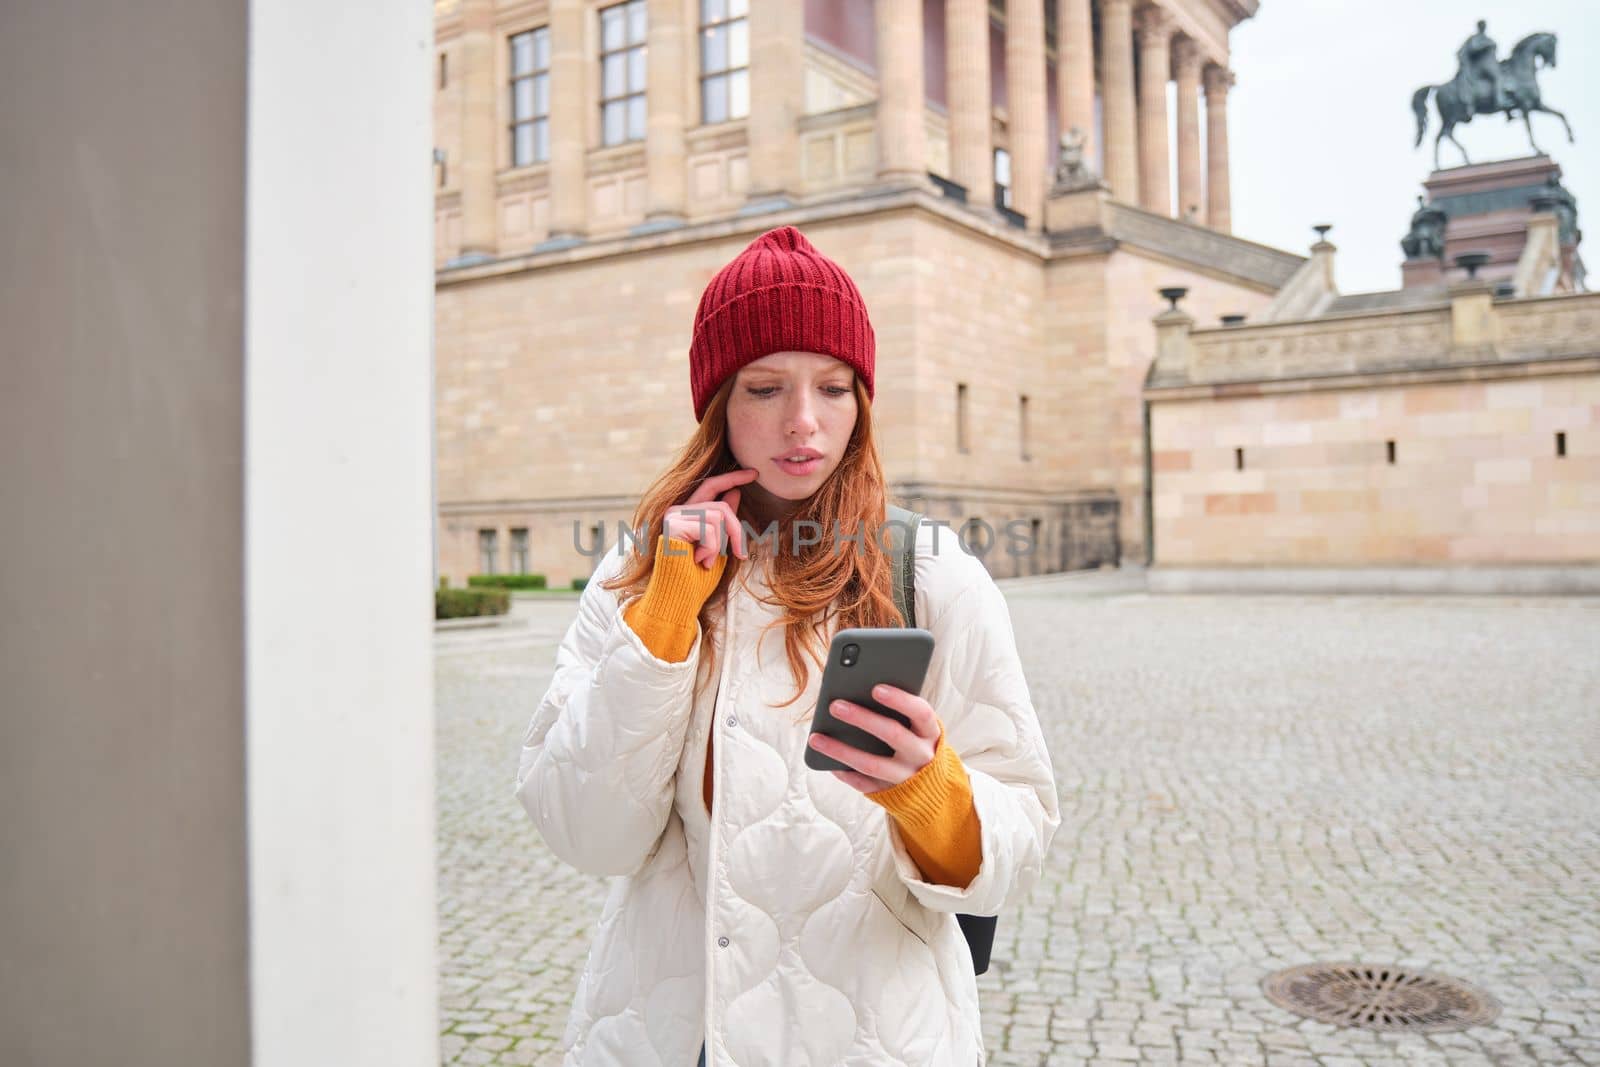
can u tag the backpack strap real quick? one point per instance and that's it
(903, 560)
(978, 930)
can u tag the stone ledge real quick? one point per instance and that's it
(1578, 579)
(475, 622)
(1507, 370)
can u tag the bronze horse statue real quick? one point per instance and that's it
(1464, 96)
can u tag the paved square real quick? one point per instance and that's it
(1247, 783)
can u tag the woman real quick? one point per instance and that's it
(767, 913)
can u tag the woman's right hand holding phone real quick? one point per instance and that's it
(710, 517)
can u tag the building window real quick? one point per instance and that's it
(1002, 178)
(961, 417)
(724, 60)
(519, 550)
(622, 77)
(530, 97)
(1561, 443)
(1238, 459)
(444, 70)
(1389, 447)
(488, 550)
(1022, 425)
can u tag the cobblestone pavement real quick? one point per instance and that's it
(1247, 783)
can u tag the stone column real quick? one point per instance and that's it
(971, 107)
(665, 147)
(1075, 72)
(1186, 58)
(777, 99)
(902, 138)
(1219, 212)
(1155, 68)
(569, 136)
(475, 170)
(1116, 86)
(1026, 107)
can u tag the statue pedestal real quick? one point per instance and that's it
(1489, 205)
(1081, 209)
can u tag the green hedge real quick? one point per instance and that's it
(579, 583)
(507, 581)
(464, 603)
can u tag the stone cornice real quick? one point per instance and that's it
(970, 491)
(529, 179)
(898, 488)
(1187, 242)
(844, 116)
(1542, 330)
(1239, 10)
(1202, 21)
(717, 137)
(614, 502)
(613, 158)
(1455, 372)
(838, 206)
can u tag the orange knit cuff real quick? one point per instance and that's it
(936, 817)
(665, 617)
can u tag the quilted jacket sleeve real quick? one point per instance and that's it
(989, 719)
(598, 759)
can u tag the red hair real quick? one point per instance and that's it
(815, 585)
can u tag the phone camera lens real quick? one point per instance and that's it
(848, 659)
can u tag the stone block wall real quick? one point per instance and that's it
(1475, 476)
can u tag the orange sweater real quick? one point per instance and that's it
(933, 808)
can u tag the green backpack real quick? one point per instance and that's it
(977, 929)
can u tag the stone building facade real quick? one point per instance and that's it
(995, 176)
(1440, 425)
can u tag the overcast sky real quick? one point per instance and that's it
(1321, 128)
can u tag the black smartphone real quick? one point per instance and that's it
(859, 659)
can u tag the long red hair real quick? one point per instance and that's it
(845, 584)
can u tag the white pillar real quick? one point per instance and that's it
(902, 140)
(569, 136)
(1191, 189)
(971, 105)
(1120, 111)
(1075, 70)
(777, 98)
(1219, 198)
(218, 793)
(1155, 68)
(1026, 107)
(475, 170)
(666, 107)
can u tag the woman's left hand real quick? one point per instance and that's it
(913, 748)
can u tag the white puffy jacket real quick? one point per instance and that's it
(790, 927)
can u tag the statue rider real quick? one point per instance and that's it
(1482, 69)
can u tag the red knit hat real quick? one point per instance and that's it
(779, 295)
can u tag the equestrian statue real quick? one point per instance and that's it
(1485, 85)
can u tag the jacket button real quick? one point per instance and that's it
(722, 942)
(732, 722)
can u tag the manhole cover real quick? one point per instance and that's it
(1376, 997)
